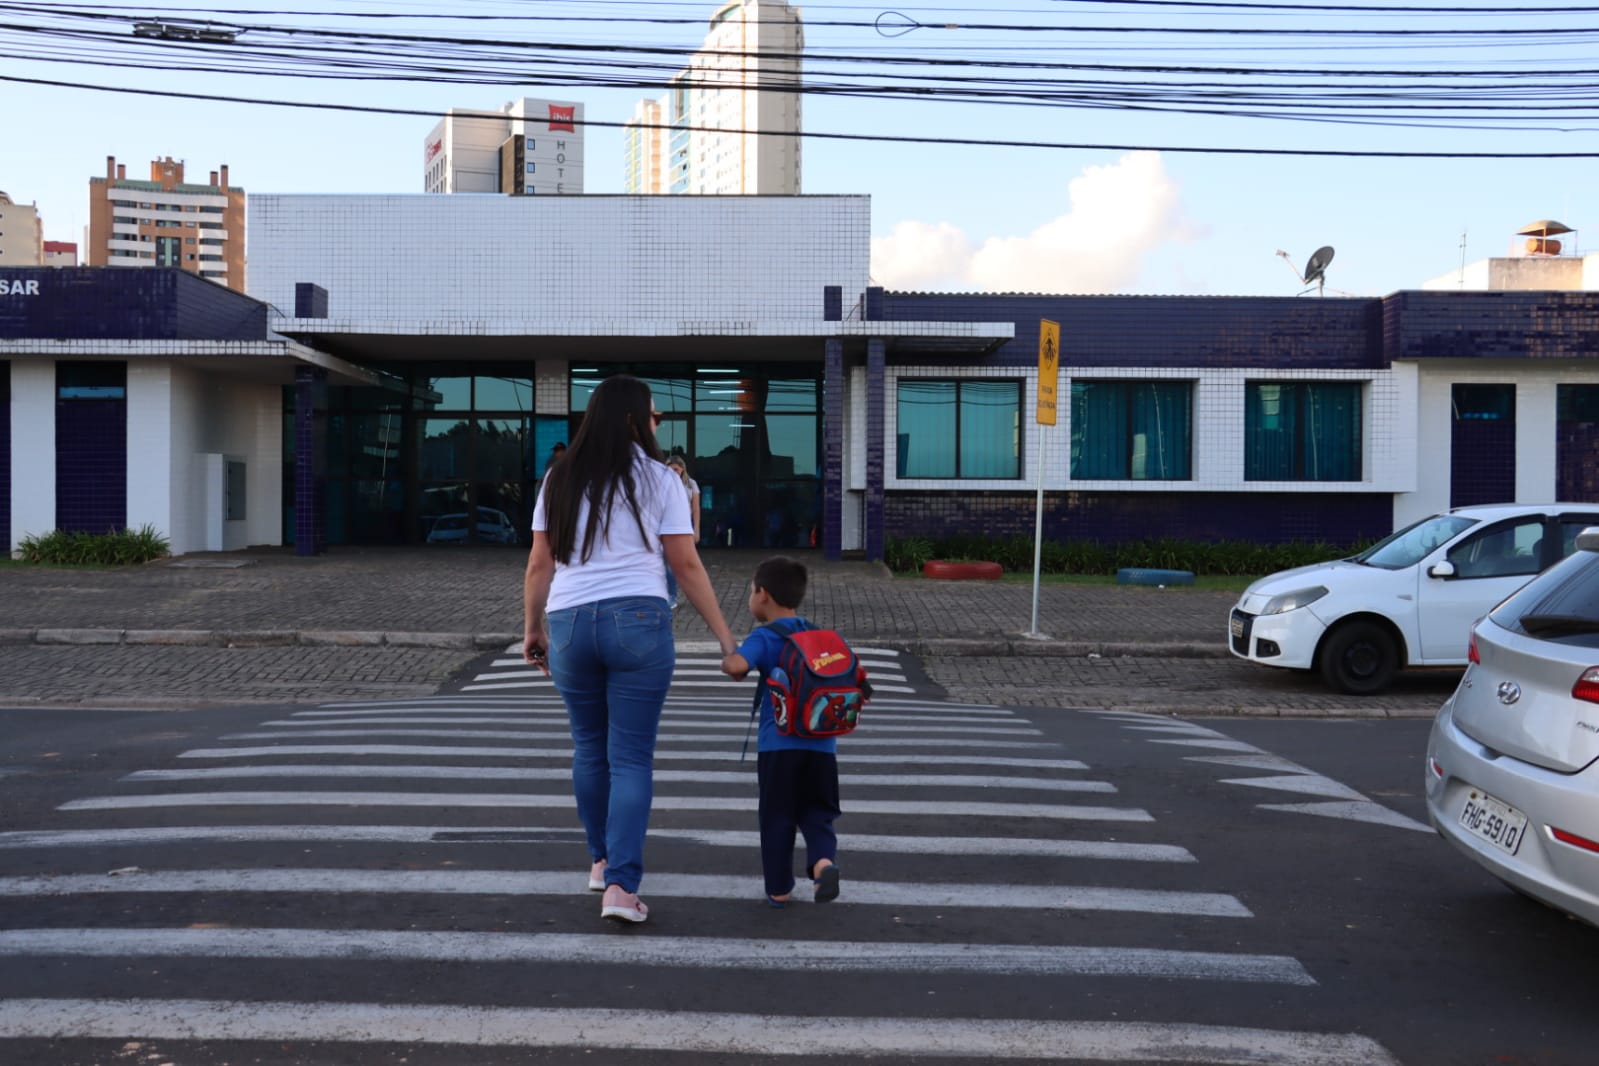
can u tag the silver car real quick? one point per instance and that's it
(1513, 761)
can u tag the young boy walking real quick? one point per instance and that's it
(798, 776)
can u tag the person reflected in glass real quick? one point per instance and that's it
(596, 620)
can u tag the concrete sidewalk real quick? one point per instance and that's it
(464, 598)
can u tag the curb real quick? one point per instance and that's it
(1001, 647)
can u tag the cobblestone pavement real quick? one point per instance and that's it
(267, 626)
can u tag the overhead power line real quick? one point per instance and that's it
(819, 135)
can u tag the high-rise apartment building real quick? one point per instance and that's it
(644, 147)
(733, 113)
(167, 222)
(21, 234)
(526, 147)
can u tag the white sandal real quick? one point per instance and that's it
(620, 911)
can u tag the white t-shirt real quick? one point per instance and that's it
(622, 564)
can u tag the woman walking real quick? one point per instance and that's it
(597, 620)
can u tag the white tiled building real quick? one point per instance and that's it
(423, 368)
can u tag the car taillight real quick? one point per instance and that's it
(1587, 686)
(1574, 840)
(1471, 650)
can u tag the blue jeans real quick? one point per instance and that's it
(612, 662)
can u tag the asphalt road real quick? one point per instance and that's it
(1081, 885)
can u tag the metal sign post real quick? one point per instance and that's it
(1048, 378)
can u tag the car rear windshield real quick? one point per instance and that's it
(1411, 545)
(1561, 604)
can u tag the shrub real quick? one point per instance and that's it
(907, 554)
(117, 547)
(1226, 557)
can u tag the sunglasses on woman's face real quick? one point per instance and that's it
(655, 416)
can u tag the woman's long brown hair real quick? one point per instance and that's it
(597, 463)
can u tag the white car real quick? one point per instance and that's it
(1408, 600)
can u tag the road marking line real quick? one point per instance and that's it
(856, 740)
(1218, 745)
(677, 952)
(1263, 761)
(435, 750)
(1108, 850)
(528, 773)
(697, 700)
(459, 882)
(1308, 784)
(695, 684)
(1366, 811)
(702, 1032)
(547, 715)
(564, 801)
(720, 721)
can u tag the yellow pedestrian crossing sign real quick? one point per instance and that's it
(1048, 369)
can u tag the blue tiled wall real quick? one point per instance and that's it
(1266, 518)
(126, 303)
(833, 448)
(91, 465)
(5, 454)
(1189, 331)
(1491, 325)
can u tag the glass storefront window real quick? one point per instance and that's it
(503, 394)
(375, 445)
(792, 442)
(671, 394)
(442, 448)
(455, 394)
(926, 437)
(959, 428)
(499, 450)
(791, 395)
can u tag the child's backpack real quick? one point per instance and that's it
(818, 686)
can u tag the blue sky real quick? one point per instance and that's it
(944, 216)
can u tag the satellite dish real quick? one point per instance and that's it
(1316, 269)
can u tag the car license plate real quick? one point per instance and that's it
(1237, 626)
(1493, 820)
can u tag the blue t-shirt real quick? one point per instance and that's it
(761, 649)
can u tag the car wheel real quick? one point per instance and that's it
(1359, 658)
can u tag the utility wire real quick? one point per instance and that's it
(818, 135)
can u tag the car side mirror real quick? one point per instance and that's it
(1444, 569)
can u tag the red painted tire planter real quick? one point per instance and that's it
(945, 571)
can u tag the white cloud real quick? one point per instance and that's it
(1117, 215)
(921, 255)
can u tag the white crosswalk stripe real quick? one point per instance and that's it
(922, 782)
(698, 669)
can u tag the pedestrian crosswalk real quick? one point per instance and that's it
(698, 670)
(419, 865)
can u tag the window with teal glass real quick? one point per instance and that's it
(1302, 431)
(959, 429)
(1132, 430)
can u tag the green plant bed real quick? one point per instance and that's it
(116, 547)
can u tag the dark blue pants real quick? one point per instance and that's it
(799, 794)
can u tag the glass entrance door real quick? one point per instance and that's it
(751, 436)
